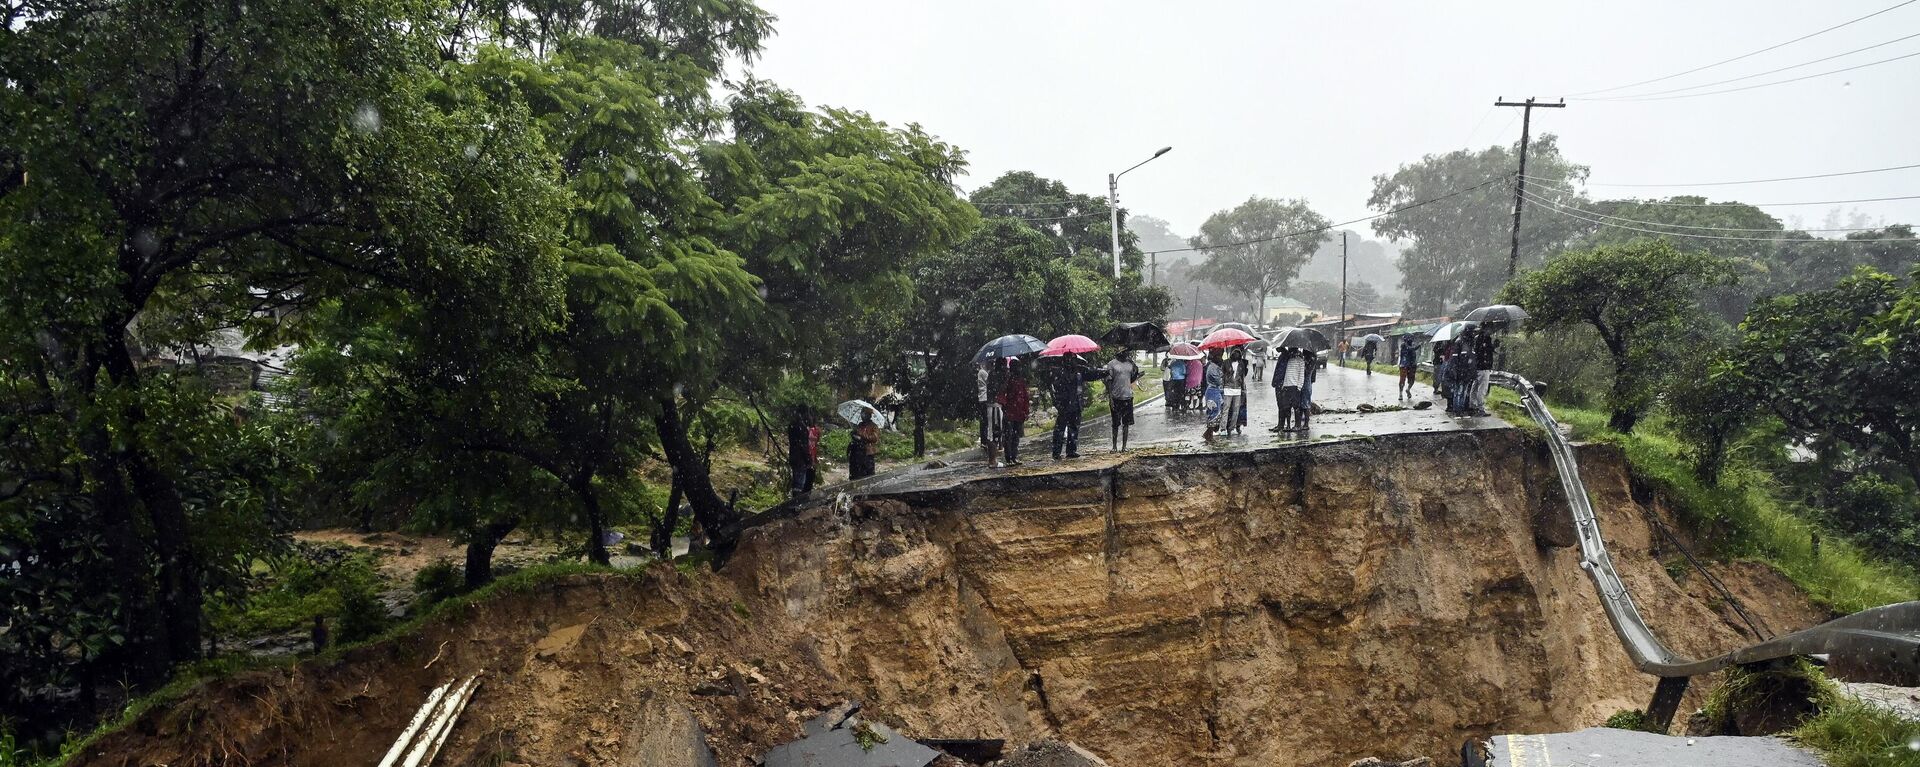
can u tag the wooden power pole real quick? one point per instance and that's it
(1520, 181)
(1341, 329)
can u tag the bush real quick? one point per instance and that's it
(1850, 733)
(1631, 719)
(1572, 361)
(1881, 516)
(315, 581)
(437, 583)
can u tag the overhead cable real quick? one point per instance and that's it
(1763, 85)
(1545, 201)
(1319, 229)
(1636, 96)
(1771, 180)
(1775, 46)
(1669, 233)
(1551, 184)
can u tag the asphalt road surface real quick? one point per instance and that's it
(1604, 747)
(1340, 392)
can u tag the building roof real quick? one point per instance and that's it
(1285, 303)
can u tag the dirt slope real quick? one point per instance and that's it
(1299, 606)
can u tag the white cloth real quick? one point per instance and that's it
(1296, 374)
(982, 379)
(1480, 383)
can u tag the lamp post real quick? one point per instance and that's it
(1113, 205)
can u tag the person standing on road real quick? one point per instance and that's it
(1174, 388)
(1234, 390)
(802, 442)
(1259, 366)
(1461, 371)
(1014, 401)
(990, 415)
(1409, 366)
(863, 444)
(1290, 377)
(1065, 384)
(1215, 378)
(1442, 361)
(1484, 347)
(1120, 375)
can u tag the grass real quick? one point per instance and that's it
(1850, 733)
(192, 675)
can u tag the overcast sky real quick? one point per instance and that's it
(1297, 99)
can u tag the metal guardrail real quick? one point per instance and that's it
(1886, 639)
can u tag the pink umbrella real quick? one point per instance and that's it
(1184, 352)
(1225, 337)
(1069, 345)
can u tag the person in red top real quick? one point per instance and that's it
(1015, 403)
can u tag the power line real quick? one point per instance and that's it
(1023, 204)
(1765, 85)
(1746, 55)
(1557, 209)
(1544, 201)
(1059, 218)
(1637, 96)
(1317, 230)
(1549, 183)
(1771, 180)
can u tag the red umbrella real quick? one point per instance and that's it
(1069, 345)
(1225, 337)
(1184, 352)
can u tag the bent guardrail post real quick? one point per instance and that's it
(1884, 640)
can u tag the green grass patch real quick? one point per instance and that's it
(191, 676)
(1745, 516)
(1850, 733)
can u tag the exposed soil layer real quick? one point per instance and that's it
(1305, 605)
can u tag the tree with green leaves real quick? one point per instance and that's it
(163, 179)
(1255, 249)
(1641, 298)
(1839, 366)
(1461, 243)
(1080, 227)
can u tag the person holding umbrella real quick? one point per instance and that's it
(1369, 349)
(1216, 397)
(1233, 389)
(1015, 403)
(1485, 346)
(1065, 381)
(1120, 375)
(1290, 376)
(862, 446)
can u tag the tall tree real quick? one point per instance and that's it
(1081, 229)
(168, 173)
(1460, 244)
(1641, 298)
(1256, 249)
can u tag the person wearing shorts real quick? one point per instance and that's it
(1409, 366)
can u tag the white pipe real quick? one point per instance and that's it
(413, 728)
(458, 707)
(442, 721)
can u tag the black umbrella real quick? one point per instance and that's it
(1008, 346)
(1300, 338)
(1497, 314)
(1137, 335)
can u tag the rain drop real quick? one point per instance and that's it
(949, 306)
(366, 119)
(631, 175)
(763, 292)
(1913, 743)
(471, 151)
(146, 243)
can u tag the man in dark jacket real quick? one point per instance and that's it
(801, 439)
(1484, 346)
(1066, 382)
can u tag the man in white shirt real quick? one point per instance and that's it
(1121, 373)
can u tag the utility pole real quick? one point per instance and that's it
(1113, 207)
(1340, 329)
(1194, 319)
(1520, 181)
(1153, 269)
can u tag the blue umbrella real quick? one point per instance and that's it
(1008, 346)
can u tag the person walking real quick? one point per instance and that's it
(1409, 366)
(1485, 346)
(1014, 401)
(1120, 375)
(862, 445)
(1259, 366)
(1215, 381)
(1174, 388)
(1066, 384)
(1367, 352)
(803, 441)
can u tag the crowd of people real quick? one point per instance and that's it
(1215, 382)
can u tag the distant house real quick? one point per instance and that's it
(1277, 306)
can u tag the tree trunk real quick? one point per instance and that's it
(596, 518)
(145, 622)
(662, 539)
(480, 547)
(181, 590)
(691, 474)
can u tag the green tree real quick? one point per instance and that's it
(1747, 238)
(1641, 298)
(1256, 249)
(163, 178)
(1709, 399)
(1458, 257)
(1838, 365)
(1081, 229)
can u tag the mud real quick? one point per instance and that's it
(1307, 605)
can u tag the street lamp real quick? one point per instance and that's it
(1113, 205)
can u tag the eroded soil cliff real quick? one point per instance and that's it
(1304, 605)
